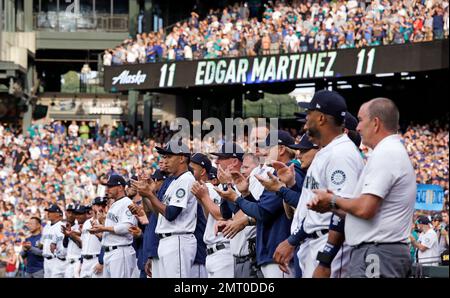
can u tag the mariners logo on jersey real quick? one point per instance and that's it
(166, 199)
(338, 177)
(311, 183)
(112, 217)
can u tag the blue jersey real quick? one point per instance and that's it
(34, 262)
(272, 224)
(200, 257)
(138, 245)
(151, 239)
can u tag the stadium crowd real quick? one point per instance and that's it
(288, 27)
(55, 164)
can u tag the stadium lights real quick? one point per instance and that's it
(345, 86)
(409, 78)
(382, 75)
(404, 74)
(342, 82)
(363, 85)
(377, 85)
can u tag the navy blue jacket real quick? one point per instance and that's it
(35, 261)
(272, 224)
(151, 239)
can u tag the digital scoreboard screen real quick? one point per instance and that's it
(279, 68)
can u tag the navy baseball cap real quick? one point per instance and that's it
(70, 207)
(300, 117)
(230, 150)
(202, 160)
(350, 121)
(116, 180)
(424, 220)
(81, 209)
(99, 201)
(281, 137)
(53, 208)
(159, 175)
(174, 148)
(304, 144)
(212, 173)
(327, 102)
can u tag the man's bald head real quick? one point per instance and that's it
(385, 110)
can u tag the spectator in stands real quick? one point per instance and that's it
(107, 57)
(438, 23)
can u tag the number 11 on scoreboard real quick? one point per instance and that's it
(162, 79)
(362, 57)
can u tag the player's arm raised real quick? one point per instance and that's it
(200, 191)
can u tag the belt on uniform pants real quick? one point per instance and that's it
(215, 248)
(379, 243)
(49, 257)
(165, 235)
(89, 257)
(111, 248)
(62, 259)
(72, 261)
(318, 234)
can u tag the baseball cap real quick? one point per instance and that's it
(437, 217)
(304, 144)
(350, 121)
(230, 150)
(116, 180)
(174, 148)
(99, 201)
(424, 220)
(212, 173)
(300, 117)
(53, 208)
(81, 209)
(282, 138)
(70, 207)
(159, 175)
(202, 160)
(327, 102)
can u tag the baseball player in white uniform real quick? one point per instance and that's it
(72, 242)
(335, 167)
(91, 244)
(53, 250)
(120, 256)
(219, 261)
(427, 245)
(177, 215)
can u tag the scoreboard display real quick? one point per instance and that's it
(279, 68)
